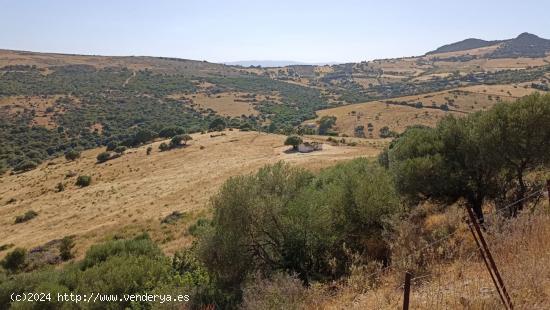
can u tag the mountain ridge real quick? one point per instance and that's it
(524, 45)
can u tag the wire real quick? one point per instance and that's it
(431, 244)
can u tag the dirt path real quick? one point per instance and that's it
(129, 78)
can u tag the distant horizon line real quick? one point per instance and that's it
(247, 63)
(64, 53)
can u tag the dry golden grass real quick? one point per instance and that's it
(506, 90)
(519, 247)
(40, 104)
(133, 193)
(379, 114)
(399, 117)
(227, 104)
(522, 253)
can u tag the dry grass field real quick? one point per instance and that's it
(232, 104)
(135, 192)
(380, 114)
(398, 117)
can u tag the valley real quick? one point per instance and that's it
(292, 187)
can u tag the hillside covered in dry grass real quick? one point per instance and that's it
(292, 187)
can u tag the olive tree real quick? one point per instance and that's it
(295, 141)
(519, 134)
(449, 162)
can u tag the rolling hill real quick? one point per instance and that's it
(525, 45)
(95, 182)
(54, 103)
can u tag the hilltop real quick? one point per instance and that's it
(524, 45)
(57, 102)
(463, 45)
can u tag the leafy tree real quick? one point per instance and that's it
(120, 149)
(111, 146)
(103, 157)
(83, 180)
(326, 123)
(217, 124)
(519, 135)
(359, 131)
(169, 132)
(176, 141)
(142, 136)
(186, 138)
(15, 260)
(447, 163)
(163, 147)
(72, 154)
(295, 141)
(179, 140)
(385, 132)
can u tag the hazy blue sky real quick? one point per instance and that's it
(310, 31)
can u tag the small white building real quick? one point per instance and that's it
(307, 147)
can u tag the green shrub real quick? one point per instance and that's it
(284, 219)
(178, 140)
(385, 132)
(295, 141)
(3, 167)
(29, 215)
(139, 246)
(169, 132)
(25, 165)
(14, 260)
(103, 157)
(217, 124)
(120, 149)
(163, 147)
(149, 150)
(111, 146)
(83, 180)
(72, 154)
(65, 248)
(199, 227)
(326, 123)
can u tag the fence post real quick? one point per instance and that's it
(548, 190)
(471, 226)
(406, 291)
(492, 264)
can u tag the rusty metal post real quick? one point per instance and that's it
(470, 225)
(407, 291)
(490, 259)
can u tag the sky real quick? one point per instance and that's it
(224, 31)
